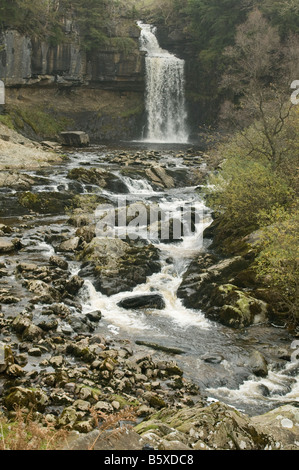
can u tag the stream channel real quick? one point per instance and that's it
(213, 356)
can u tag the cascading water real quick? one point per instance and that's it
(165, 91)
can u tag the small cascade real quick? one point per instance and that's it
(165, 91)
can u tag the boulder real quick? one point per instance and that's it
(143, 301)
(6, 245)
(283, 424)
(258, 364)
(75, 139)
(221, 427)
(235, 308)
(31, 398)
(58, 262)
(117, 266)
(207, 286)
(159, 176)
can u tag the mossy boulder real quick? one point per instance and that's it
(214, 427)
(235, 308)
(46, 202)
(33, 399)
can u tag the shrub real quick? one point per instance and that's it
(278, 261)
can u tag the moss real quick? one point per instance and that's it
(46, 203)
(146, 426)
(124, 402)
(137, 110)
(44, 123)
(6, 119)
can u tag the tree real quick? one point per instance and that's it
(258, 78)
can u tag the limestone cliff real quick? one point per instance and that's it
(99, 90)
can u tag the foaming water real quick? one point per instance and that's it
(277, 389)
(229, 379)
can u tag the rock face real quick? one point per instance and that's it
(27, 61)
(219, 427)
(100, 90)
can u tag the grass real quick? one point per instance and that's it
(23, 433)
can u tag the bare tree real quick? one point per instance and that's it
(259, 75)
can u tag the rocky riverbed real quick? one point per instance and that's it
(92, 327)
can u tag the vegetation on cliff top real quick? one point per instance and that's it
(57, 21)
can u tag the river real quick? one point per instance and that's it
(213, 356)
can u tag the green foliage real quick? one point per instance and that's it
(282, 13)
(39, 18)
(242, 190)
(278, 261)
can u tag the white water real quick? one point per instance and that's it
(175, 325)
(165, 91)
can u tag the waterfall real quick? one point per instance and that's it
(165, 91)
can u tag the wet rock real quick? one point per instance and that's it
(59, 262)
(46, 202)
(143, 301)
(70, 245)
(32, 333)
(56, 361)
(212, 358)
(6, 245)
(59, 309)
(20, 323)
(81, 350)
(48, 324)
(81, 324)
(94, 316)
(15, 371)
(117, 266)
(86, 233)
(158, 175)
(45, 293)
(74, 285)
(160, 347)
(258, 364)
(99, 177)
(36, 352)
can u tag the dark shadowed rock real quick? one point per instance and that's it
(143, 301)
(75, 139)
